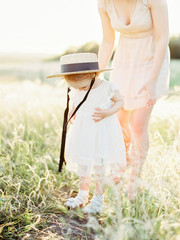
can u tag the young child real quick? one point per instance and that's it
(94, 142)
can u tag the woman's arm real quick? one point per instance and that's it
(100, 114)
(106, 47)
(161, 28)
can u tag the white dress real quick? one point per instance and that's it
(134, 56)
(90, 144)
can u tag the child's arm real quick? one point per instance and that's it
(100, 114)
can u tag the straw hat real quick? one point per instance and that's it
(78, 63)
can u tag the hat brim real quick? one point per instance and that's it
(86, 71)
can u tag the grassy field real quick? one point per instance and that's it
(32, 192)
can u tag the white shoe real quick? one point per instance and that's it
(95, 205)
(76, 202)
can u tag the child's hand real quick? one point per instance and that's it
(100, 114)
(72, 119)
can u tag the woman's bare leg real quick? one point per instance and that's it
(124, 119)
(139, 123)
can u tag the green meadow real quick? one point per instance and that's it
(32, 192)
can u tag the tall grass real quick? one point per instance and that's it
(32, 192)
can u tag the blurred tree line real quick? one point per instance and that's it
(174, 44)
(93, 47)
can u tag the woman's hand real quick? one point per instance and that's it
(100, 114)
(150, 88)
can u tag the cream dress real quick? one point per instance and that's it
(133, 59)
(94, 146)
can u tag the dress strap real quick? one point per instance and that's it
(146, 2)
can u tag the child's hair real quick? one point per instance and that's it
(78, 77)
(78, 80)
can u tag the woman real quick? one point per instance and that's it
(141, 65)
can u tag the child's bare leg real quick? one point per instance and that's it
(96, 203)
(82, 197)
(84, 183)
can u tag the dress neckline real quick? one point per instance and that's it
(133, 15)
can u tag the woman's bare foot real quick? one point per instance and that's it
(132, 191)
(128, 161)
(116, 179)
(133, 187)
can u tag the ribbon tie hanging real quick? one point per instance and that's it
(66, 121)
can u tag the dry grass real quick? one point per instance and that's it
(32, 192)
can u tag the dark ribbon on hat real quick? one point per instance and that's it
(78, 67)
(65, 123)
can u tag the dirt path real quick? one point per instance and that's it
(62, 227)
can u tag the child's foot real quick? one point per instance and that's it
(95, 205)
(79, 201)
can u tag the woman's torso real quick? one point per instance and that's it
(140, 24)
(134, 55)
